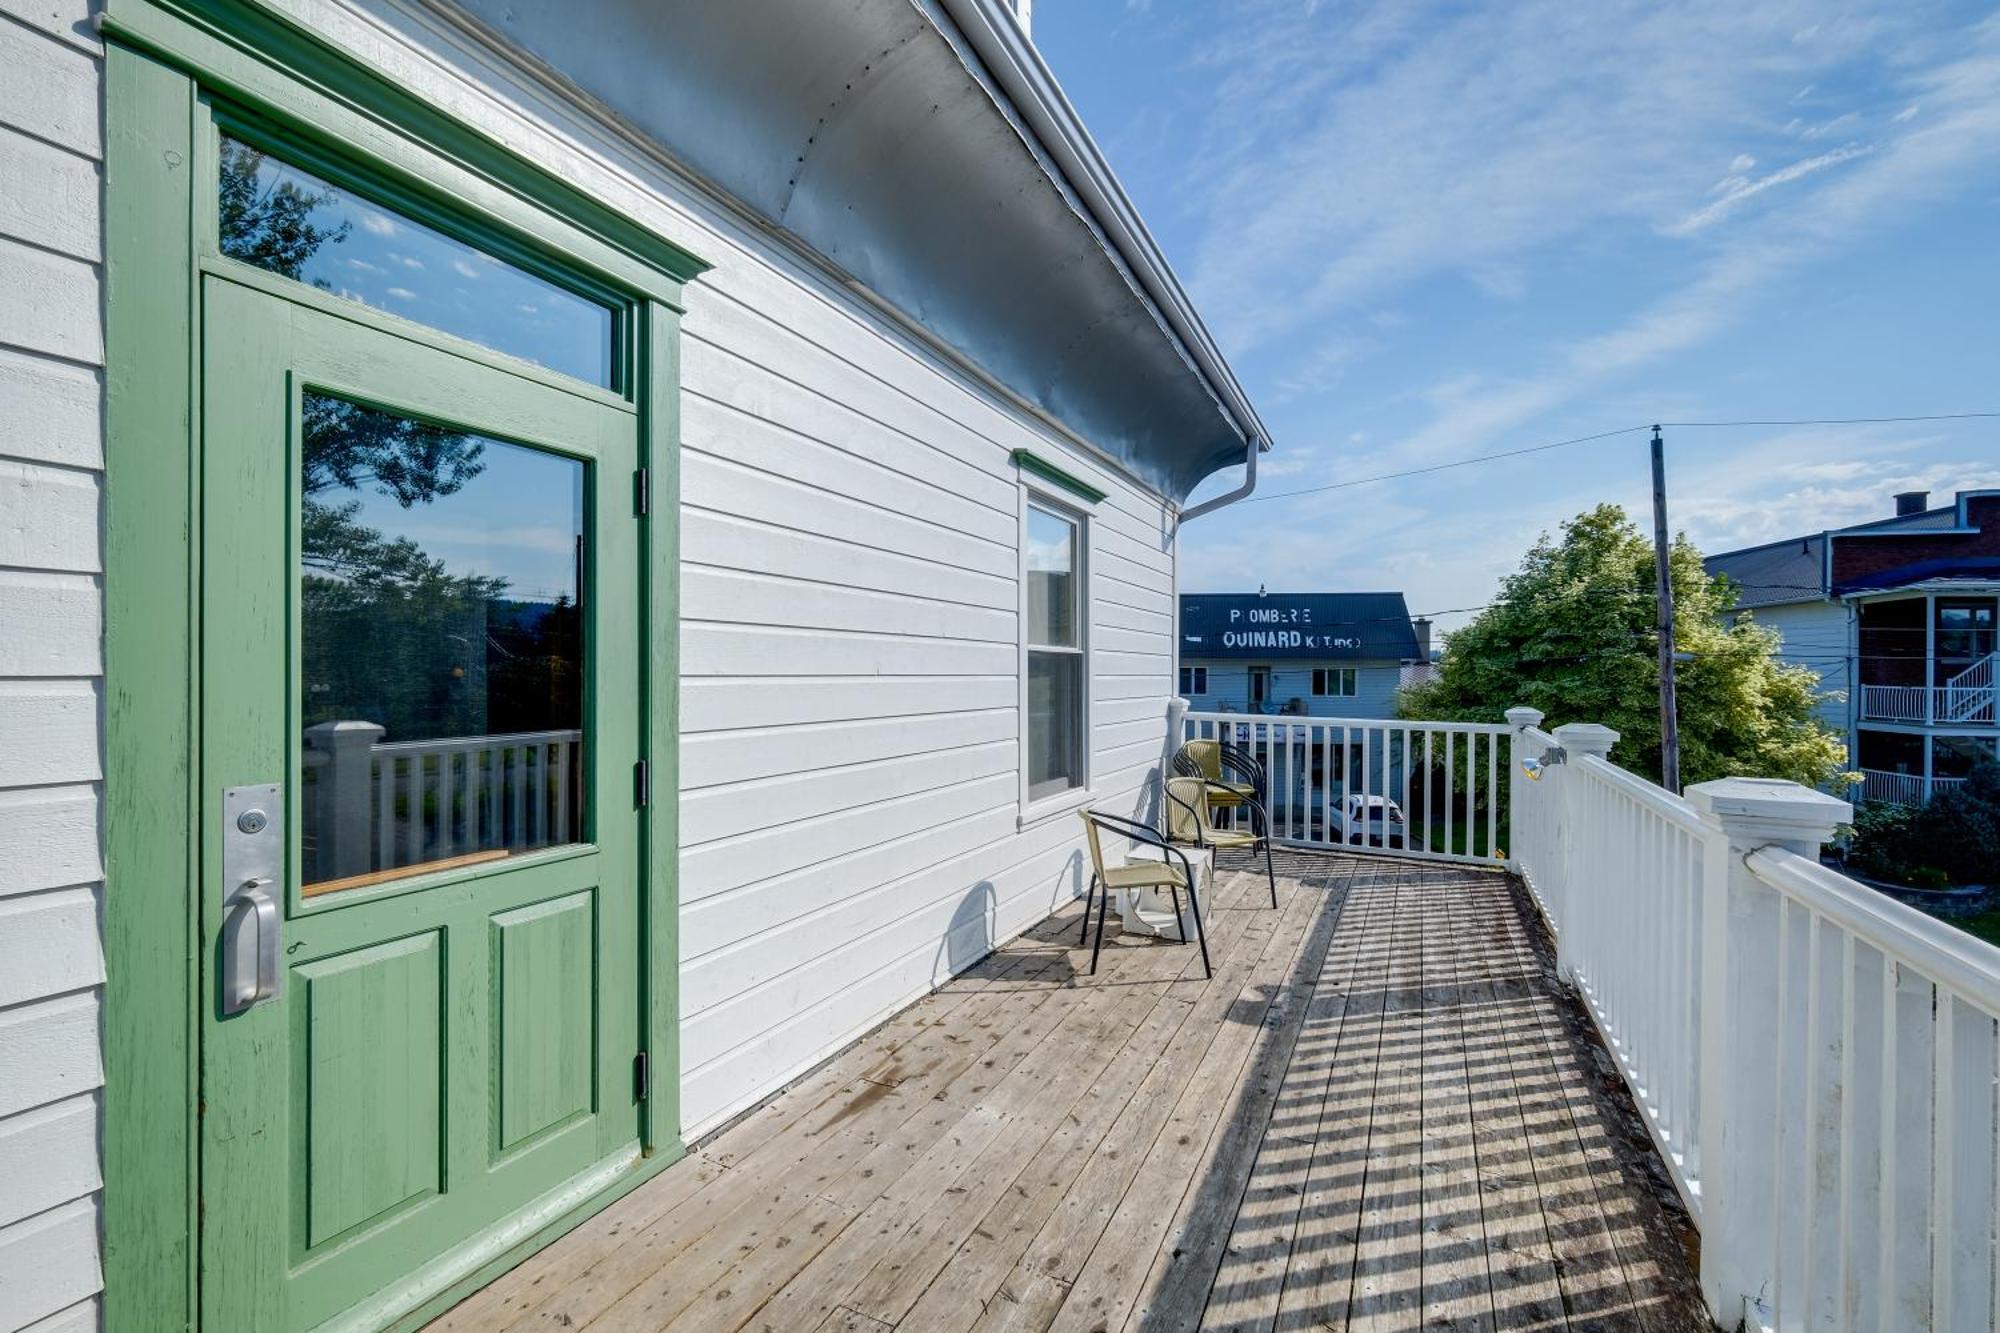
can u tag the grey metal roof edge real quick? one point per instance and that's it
(994, 30)
(554, 83)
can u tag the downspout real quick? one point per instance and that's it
(1228, 497)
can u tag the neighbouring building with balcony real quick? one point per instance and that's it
(1898, 617)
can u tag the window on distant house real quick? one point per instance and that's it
(1333, 681)
(1194, 680)
(1057, 676)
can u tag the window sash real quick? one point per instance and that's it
(1055, 683)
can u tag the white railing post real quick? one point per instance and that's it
(1741, 1016)
(1521, 720)
(1579, 740)
(346, 796)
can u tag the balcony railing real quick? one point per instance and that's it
(1816, 1062)
(1422, 789)
(1958, 704)
(1901, 788)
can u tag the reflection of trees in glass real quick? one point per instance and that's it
(269, 223)
(391, 634)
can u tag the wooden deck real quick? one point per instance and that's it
(1378, 1115)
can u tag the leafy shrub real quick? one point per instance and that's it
(1953, 840)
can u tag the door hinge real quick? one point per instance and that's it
(642, 490)
(642, 1075)
(642, 784)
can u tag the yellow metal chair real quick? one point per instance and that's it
(1235, 778)
(1189, 824)
(1137, 875)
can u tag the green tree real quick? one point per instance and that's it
(1573, 635)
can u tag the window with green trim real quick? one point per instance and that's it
(286, 220)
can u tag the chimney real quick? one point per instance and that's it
(1912, 502)
(1422, 625)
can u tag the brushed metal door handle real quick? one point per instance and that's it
(250, 964)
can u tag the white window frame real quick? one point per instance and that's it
(1350, 677)
(1049, 807)
(1194, 680)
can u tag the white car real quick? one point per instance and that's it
(1375, 821)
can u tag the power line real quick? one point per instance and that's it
(1443, 467)
(1838, 421)
(1612, 434)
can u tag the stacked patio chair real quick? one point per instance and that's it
(1138, 875)
(1189, 824)
(1231, 779)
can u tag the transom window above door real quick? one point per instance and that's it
(286, 220)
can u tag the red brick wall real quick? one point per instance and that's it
(1857, 557)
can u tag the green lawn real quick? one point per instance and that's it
(1986, 925)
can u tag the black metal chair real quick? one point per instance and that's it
(1138, 875)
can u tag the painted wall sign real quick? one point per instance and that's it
(1321, 626)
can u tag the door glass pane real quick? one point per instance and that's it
(1055, 723)
(442, 664)
(286, 220)
(1051, 561)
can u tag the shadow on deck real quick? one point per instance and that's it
(1380, 1113)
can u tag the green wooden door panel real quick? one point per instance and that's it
(459, 1040)
(545, 987)
(368, 1051)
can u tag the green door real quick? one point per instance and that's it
(420, 720)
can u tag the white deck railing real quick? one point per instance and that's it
(1442, 777)
(369, 806)
(1967, 700)
(1818, 1063)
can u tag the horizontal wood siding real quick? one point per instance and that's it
(1816, 635)
(51, 624)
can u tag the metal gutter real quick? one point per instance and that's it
(1250, 453)
(995, 32)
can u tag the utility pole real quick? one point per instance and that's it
(1670, 718)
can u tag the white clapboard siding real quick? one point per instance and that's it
(49, 1262)
(711, 648)
(48, 839)
(51, 632)
(67, 611)
(51, 198)
(723, 758)
(48, 944)
(48, 1156)
(50, 411)
(48, 1051)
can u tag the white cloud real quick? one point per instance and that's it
(1351, 150)
(1739, 189)
(1906, 114)
(380, 224)
(402, 293)
(1741, 164)
(465, 268)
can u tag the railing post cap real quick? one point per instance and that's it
(1523, 718)
(1769, 810)
(1580, 738)
(326, 735)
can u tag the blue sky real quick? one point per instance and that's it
(1423, 231)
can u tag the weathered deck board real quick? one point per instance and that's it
(1377, 1114)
